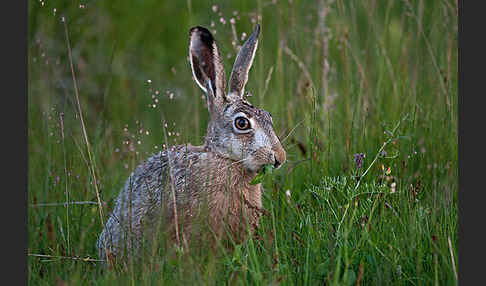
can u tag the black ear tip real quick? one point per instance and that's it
(200, 30)
(204, 34)
(256, 31)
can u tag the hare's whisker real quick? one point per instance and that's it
(236, 162)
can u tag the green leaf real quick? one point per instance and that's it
(350, 277)
(267, 169)
(258, 179)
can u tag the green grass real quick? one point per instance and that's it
(389, 63)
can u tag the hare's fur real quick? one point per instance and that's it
(209, 183)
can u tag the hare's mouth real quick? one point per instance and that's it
(267, 168)
(261, 158)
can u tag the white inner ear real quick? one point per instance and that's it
(249, 67)
(194, 73)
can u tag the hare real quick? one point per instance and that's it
(175, 186)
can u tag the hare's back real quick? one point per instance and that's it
(138, 203)
(150, 183)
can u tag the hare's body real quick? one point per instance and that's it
(205, 185)
(201, 180)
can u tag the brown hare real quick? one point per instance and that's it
(211, 181)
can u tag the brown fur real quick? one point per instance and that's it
(205, 185)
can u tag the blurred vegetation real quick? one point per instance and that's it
(386, 62)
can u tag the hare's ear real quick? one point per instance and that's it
(206, 66)
(243, 62)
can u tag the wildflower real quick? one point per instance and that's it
(288, 195)
(358, 159)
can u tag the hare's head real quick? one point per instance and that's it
(237, 130)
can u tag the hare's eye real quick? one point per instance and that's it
(242, 123)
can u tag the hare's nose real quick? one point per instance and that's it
(279, 157)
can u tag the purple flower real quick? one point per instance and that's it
(358, 159)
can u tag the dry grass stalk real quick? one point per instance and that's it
(86, 259)
(300, 64)
(61, 118)
(65, 204)
(83, 127)
(176, 223)
(323, 10)
(267, 81)
(452, 257)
